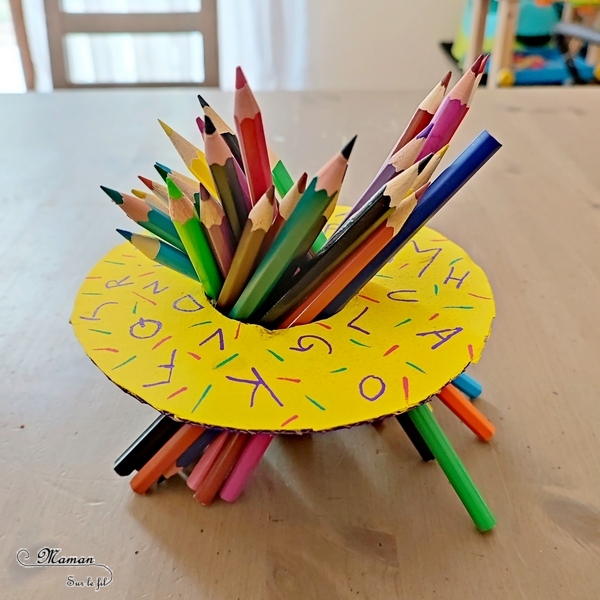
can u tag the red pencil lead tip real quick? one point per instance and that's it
(421, 191)
(302, 182)
(200, 124)
(477, 64)
(240, 79)
(483, 64)
(446, 79)
(147, 182)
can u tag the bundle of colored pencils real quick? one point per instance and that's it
(252, 235)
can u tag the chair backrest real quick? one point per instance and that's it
(61, 23)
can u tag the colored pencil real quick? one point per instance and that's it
(191, 190)
(193, 453)
(147, 217)
(146, 445)
(193, 157)
(158, 188)
(246, 465)
(398, 162)
(246, 255)
(216, 226)
(173, 448)
(415, 437)
(344, 241)
(312, 306)
(281, 176)
(227, 178)
(251, 136)
(152, 199)
(441, 190)
(206, 461)
(453, 468)
(162, 253)
(454, 108)
(322, 190)
(200, 124)
(209, 488)
(460, 405)
(223, 130)
(427, 172)
(165, 171)
(187, 223)
(468, 386)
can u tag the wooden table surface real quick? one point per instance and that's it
(349, 514)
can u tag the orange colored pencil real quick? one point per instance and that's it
(311, 307)
(460, 405)
(149, 474)
(210, 486)
(251, 136)
(206, 461)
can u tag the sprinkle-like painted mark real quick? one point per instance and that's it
(359, 343)
(179, 391)
(384, 276)
(290, 379)
(435, 316)
(124, 363)
(482, 297)
(128, 256)
(323, 325)
(436, 289)
(455, 260)
(440, 240)
(237, 331)
(202, 323)
(369, 299)
(135, 308)
(403, 322)
(405, 387)
(161, 342)
(204, 394)
(470, 349)
(144, 298)
(279, 358)
(224, 362)
(145, 274)
(91, 293)
(392, 349)
(101, 331)
(415, 367)
(463, 307)
(339, 370)
(114, 262)
(404, 265)
(106, 349)
(288, 421)
(315, 403)
(193, 354)
(94, 277)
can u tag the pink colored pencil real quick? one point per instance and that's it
(200, 123)
(454, 108)
(245, 466)
(206, 462)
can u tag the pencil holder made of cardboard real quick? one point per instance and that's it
(412, 329)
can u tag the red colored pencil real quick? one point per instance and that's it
(251, 135)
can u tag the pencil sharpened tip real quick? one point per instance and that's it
(162, 171)
(139, 193)
(443, 150)
(147, 182)
(302, 182)
(425, 132)
(209, 126)
(126, 234)
(200, 124)
(421, 191)
(203, 102)
(483, 64)
(347, 149)
(204, 193)
(115, 196)
(446, 80)
(240, 78)
(477, 64)
(168, 130)
(424, 162)
(174, 191)
(270, 193)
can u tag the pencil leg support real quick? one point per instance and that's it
(453, 467)
(468, 386)
(415, 437)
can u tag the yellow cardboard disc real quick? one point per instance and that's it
(415, 327)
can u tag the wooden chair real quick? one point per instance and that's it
(62, 23)
(16, 10)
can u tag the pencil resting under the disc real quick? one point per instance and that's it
(186, 222)
(162, 253)
(251, 136)
(247, 252)
(192, 157)
(147, 217)
(217, 229)
(321, 191)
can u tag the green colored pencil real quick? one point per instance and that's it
(320, 193)
(147, 217)
(186, 222)
(161, 252)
